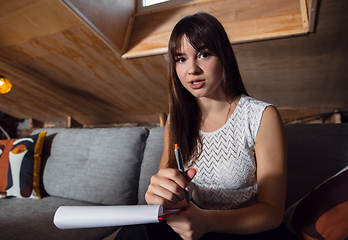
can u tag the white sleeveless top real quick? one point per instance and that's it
(226, 177)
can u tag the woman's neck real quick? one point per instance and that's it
(215, 112)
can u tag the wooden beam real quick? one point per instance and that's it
(33, 123)
(128, 34)
(304, 13)
(310, 115)
(145, 53)
(72, 123)
(336, 117)
(312, 14)
(163, 119)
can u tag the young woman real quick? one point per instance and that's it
(232, 145)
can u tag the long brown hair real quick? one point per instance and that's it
(185, 114)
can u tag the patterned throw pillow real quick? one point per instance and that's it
(323, 213)
(20, 164)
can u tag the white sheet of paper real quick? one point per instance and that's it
(68, 217)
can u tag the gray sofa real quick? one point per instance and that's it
(113, 166)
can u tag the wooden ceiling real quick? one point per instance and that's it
(68, 59)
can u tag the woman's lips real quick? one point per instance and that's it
(196, 84)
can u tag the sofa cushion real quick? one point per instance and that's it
(33, 220)
(20, 161)
(95, 165)
(323, 213)
(152, 156)
(315, 153)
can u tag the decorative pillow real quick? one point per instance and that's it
(323, 213)
(20, 164)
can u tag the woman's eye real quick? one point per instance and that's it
(204, 54)
(180, 60)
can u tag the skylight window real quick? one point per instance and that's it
(147, 3)
(151, 5)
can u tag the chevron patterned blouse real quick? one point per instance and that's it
(226, 177)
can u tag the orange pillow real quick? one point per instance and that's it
(20, 164)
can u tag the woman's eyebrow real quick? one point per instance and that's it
(179, 54)
(201, 48)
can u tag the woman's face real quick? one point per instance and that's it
(199, 71)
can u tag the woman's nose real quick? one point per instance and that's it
(194, 69)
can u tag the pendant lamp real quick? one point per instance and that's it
(5, 85)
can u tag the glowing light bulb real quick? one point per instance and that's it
(5, 85)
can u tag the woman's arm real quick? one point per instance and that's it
(167, 186)
(165, 157)
(267, 213)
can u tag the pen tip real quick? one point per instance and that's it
(176, 145)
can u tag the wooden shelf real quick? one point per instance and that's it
(244, 21)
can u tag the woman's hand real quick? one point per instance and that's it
(189, 224)
(167, 187)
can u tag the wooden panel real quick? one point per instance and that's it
(34, 96)
(72, 72)
(243, 20)
(23, 20)
(91, 88)
(110, 17)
